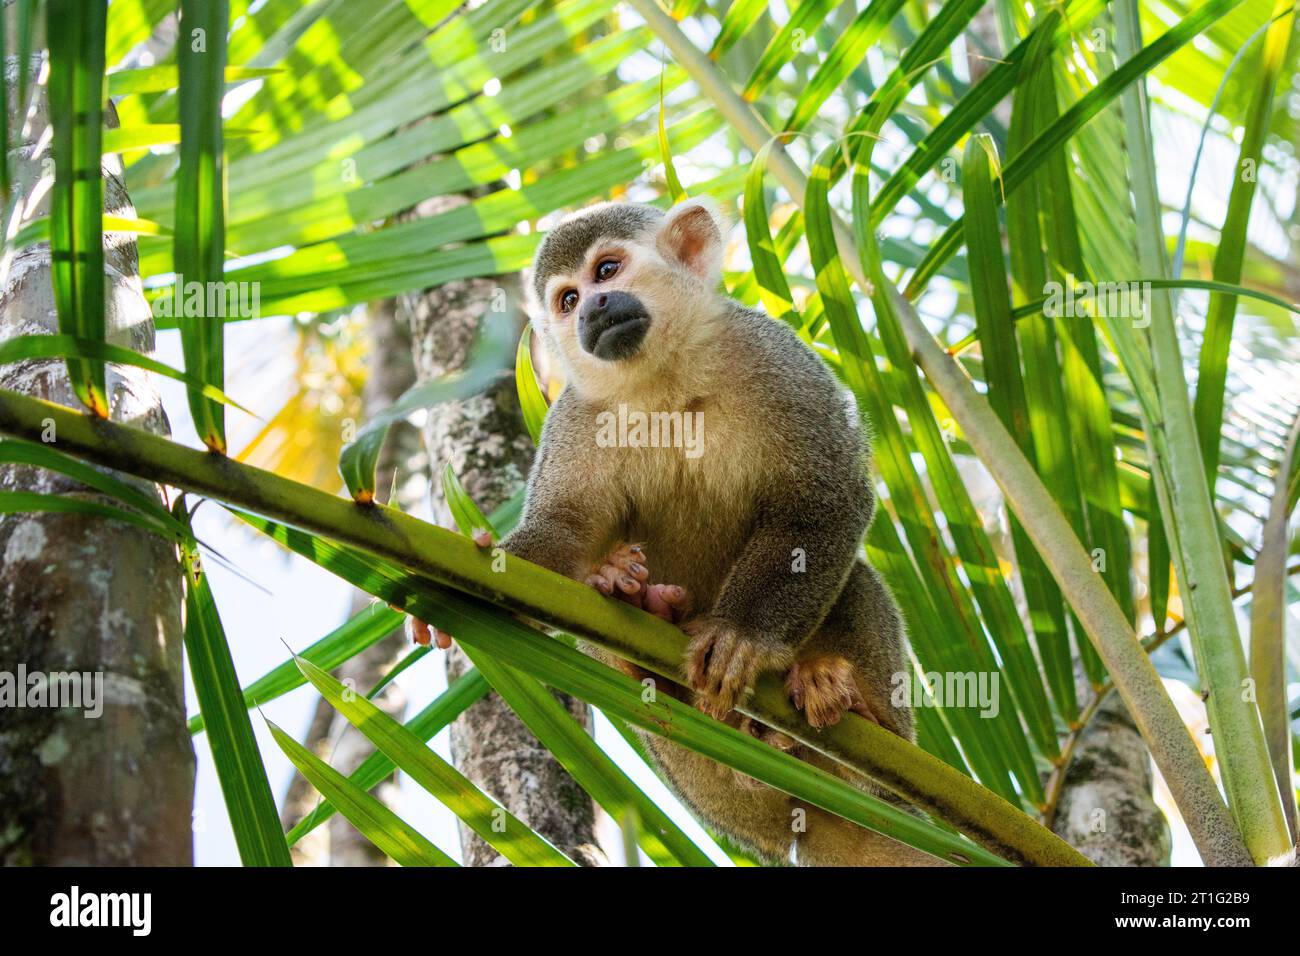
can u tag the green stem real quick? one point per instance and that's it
(1171, 744)
(1268, 631)
(535, 592)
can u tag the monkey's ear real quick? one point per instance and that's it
(692, 235)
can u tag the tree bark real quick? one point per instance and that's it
(81, 594)
(331, 737)
(485, 441)
(1106, 809)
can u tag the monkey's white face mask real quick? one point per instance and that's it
(638, 312)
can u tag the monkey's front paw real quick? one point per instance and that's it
(824, 688)
(721, 663)
(621, 573)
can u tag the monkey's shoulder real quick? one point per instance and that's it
(770, 351)
(786, 381)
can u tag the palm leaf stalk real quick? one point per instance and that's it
(1268, 630)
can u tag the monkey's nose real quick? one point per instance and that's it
(612, 325)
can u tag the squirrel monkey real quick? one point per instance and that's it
(752, 530)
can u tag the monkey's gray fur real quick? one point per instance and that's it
(762, 529)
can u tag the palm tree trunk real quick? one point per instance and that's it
(80, 594)
(486, 443)
(1106, 809)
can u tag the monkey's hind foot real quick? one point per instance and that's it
(824, 688)
(768, 735)
(722, 662)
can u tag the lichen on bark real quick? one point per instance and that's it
(1106, 809)
(83, 594)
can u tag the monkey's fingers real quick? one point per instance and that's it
(623, 571)
(671, 602)
(418, 631)
(620, 581)
(422, 634)
(600, 583)
(630, 558)
(698, 652)
(609, 586)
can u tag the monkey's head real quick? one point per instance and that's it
(625, 292)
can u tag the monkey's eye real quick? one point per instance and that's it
(568, 301)
(606, 268)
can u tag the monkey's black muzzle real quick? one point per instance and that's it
(611, 325)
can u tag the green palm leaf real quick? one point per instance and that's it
(1213, 368)
(199, 250)
(364, 629)
(491, 821)
(76, 32)
(380, 825)
(459, 696)
(230, 734)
